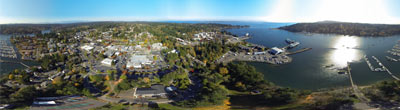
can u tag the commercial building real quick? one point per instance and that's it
(275, 50)
(154, 90)
(87, 48)
(136, 61)
(107, 61)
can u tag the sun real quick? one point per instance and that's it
(369, 11)
(362, 11)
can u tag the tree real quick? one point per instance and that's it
(11, 76)
(146, 80)
(223, 70)
(107, 77)
(280, 96)
(59, 69)
(155, 58)
(123, 76)
(57, 81)
(25, 94)
(86, 92)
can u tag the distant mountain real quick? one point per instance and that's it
(345, 28)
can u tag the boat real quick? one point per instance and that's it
(342, 71)
(294, 44)
(289, 41)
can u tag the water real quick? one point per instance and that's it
(8, 67)
(307, 70)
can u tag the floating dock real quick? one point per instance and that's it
(298, 51)
(369, 63)
(392, 59)
(7, 50)
(380, 64)
(387, 70)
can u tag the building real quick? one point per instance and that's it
(259, 53)
(87, 48)
(153, 91)
(44, 103)
(157, 46)
(275, 50)
(136, 61)
(107, 61)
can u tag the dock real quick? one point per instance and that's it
(392, 59)
(384, 67)
(298, 51)
(357, 92)
(7, 50)
(3, 61)
(369, 63)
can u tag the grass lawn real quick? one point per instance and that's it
(171, 107)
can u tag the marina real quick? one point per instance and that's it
(292, 43)
(7, 50)
(319, 67)
(380, 64)
(395, 51)
(369, 63)
(392, 59)
(386, 69)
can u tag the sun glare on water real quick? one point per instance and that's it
(345, 51)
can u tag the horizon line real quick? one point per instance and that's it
(184, 20)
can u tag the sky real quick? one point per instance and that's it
(55, 11)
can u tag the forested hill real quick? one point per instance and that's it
(356, 29)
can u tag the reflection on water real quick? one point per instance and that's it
(345, 51)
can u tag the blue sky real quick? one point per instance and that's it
(48, 11)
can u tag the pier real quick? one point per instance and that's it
(357, 92)
(392, 59)
(369, 63)
(298, 51)
(384, 67)
(7, 50)
(3, 61)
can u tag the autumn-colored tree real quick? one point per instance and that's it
(11, 76)
(125, 72)
(107, 77)
(223, 70)
(146, 79)
(57, 80)
(76, 84)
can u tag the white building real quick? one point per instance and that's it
(275, 50)
(87, 48)
(107, 61)
(157, 46)
(136, 61)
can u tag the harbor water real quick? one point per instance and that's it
(317, 68)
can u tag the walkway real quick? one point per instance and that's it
(357, 92)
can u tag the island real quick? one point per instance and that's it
(345, 28)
